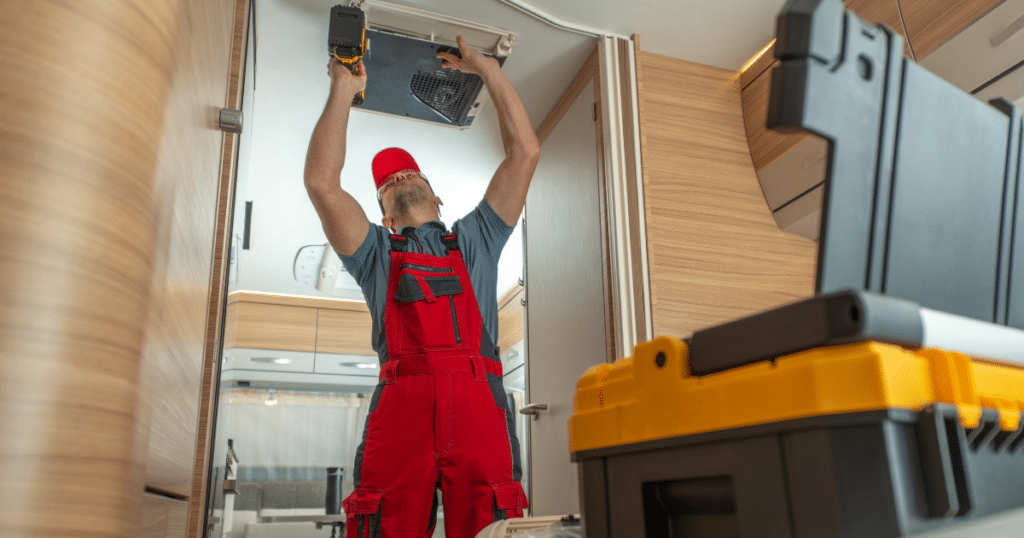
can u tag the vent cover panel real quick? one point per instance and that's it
(405, 78)
(450, 93)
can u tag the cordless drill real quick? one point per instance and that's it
(346, 39)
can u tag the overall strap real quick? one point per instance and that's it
(451, 242)
(398, 242)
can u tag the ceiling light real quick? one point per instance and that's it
(365, 365)
(272, 399)
(757, 56)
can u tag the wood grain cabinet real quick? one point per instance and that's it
(258, 325)
(987, 57)
(931, 22)
(299, 324)
(344, 330)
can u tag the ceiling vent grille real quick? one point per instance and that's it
(450, 93)
(405, 75)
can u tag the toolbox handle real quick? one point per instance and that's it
(942, 444)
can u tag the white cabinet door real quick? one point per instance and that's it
(565, 298)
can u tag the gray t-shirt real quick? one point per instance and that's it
(482, 235)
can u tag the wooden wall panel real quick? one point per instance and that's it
(344, 331)
(79, 143)
(715, 252)
(187, 189)
(765, 144)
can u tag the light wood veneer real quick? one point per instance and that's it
(187, 200)
(931, 22)
(344, 331)
(86, 219)
(715, 252)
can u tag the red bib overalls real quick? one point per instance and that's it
(439, 420)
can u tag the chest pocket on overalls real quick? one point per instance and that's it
(431, 308)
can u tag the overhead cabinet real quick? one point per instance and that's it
(985, 58)
(930, 23)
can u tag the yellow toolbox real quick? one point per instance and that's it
(862, 439)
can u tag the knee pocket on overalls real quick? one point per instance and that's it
(362, 513)
(509, 500)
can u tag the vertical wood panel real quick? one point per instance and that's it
(215, 309)
(78, 147)
(716, 253)
(188, 189)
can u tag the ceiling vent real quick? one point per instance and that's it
(405, 75)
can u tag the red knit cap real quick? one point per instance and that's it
(391, 160)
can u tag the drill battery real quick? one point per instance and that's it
(346, 39)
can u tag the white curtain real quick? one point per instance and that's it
(305, 429)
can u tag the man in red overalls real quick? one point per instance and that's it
(439, 417)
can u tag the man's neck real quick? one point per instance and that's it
(417, 223)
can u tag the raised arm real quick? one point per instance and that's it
(342, 217)
(507, 191)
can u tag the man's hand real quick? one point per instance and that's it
(341, 77)
(506, 192)
(472, 61)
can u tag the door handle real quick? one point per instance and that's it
(533, 409)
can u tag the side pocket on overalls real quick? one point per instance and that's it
(430, 311)
(362, 513)
(509, 500)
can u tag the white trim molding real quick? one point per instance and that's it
(624, 194)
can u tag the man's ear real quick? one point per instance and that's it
(438, 201)
(388, 222)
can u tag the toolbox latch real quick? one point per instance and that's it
(942, 443)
